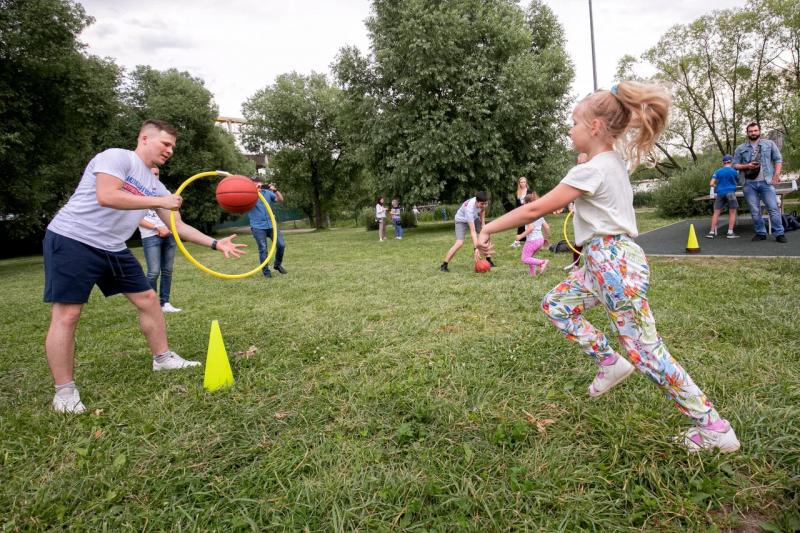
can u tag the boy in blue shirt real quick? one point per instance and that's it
(723, 183)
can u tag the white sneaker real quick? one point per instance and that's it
(610, 375)
(173, 362)
(68, 403)
(169, 308)
(699, 438)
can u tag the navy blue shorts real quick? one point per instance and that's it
(72, 269)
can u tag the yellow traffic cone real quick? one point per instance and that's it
(692, 247)
(218, 368)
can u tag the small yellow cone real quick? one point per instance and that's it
(692, 247)
(218, 368)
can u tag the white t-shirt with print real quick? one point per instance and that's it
(106, 228)
(537, 230)
(468, 212)
(606, 205)
(152, 217)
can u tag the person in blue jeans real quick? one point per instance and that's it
(395, 212)
(759, 162)
(261, 227)
(159, 246)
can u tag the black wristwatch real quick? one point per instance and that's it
(214, 244)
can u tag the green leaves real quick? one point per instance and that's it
(47, 88)
(727, 68)
(299, 120)
(456, 96)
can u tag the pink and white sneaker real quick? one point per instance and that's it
(609, 376)
(717, 435)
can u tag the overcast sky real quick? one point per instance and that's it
(240, 46)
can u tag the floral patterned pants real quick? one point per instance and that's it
(616, 274)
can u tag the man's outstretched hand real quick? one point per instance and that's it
(230, 248)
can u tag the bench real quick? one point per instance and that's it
(781, 189)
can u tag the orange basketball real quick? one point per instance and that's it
(482, 265)
(237, 194)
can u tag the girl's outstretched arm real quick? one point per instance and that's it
(559, 197)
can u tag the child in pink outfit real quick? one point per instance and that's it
(536, 235)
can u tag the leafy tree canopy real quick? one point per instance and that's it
(457, 96)
(298, 119)
(55, 103)
(183, 101)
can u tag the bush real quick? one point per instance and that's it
(644, 199)
(435, 215)
(368, 215)
(406, 219)
(676, 197)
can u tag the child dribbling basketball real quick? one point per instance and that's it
(615, 272)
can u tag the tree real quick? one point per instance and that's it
(55, 107)
(784, 23)
(727, 68)
(298, 119)
(182, 100)
(457, 96)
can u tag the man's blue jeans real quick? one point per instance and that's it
(754, 191)
(261, 236)
(159, 253)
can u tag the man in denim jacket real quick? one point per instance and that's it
(759, 162)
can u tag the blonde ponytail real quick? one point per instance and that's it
(649, 108)
(634, 115)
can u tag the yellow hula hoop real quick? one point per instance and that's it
(197, 263)
(566, 221)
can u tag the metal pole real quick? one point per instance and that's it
(591, 31)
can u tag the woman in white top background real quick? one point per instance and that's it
(380, 216)
(519, 199)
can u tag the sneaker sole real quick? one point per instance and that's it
(614, 384)
(728, 448)
(161, 369)
(65, 410)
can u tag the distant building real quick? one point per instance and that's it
(233, 125)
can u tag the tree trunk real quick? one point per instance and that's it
(671, 159)
(317, 208)
(712, 129)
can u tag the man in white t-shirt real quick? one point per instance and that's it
(470, 217)
(84, 246)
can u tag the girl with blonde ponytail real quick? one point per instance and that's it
(610, 127)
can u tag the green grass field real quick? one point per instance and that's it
(385, 395)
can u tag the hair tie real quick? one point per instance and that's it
(615, 89)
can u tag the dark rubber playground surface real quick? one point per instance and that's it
(671, 241)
